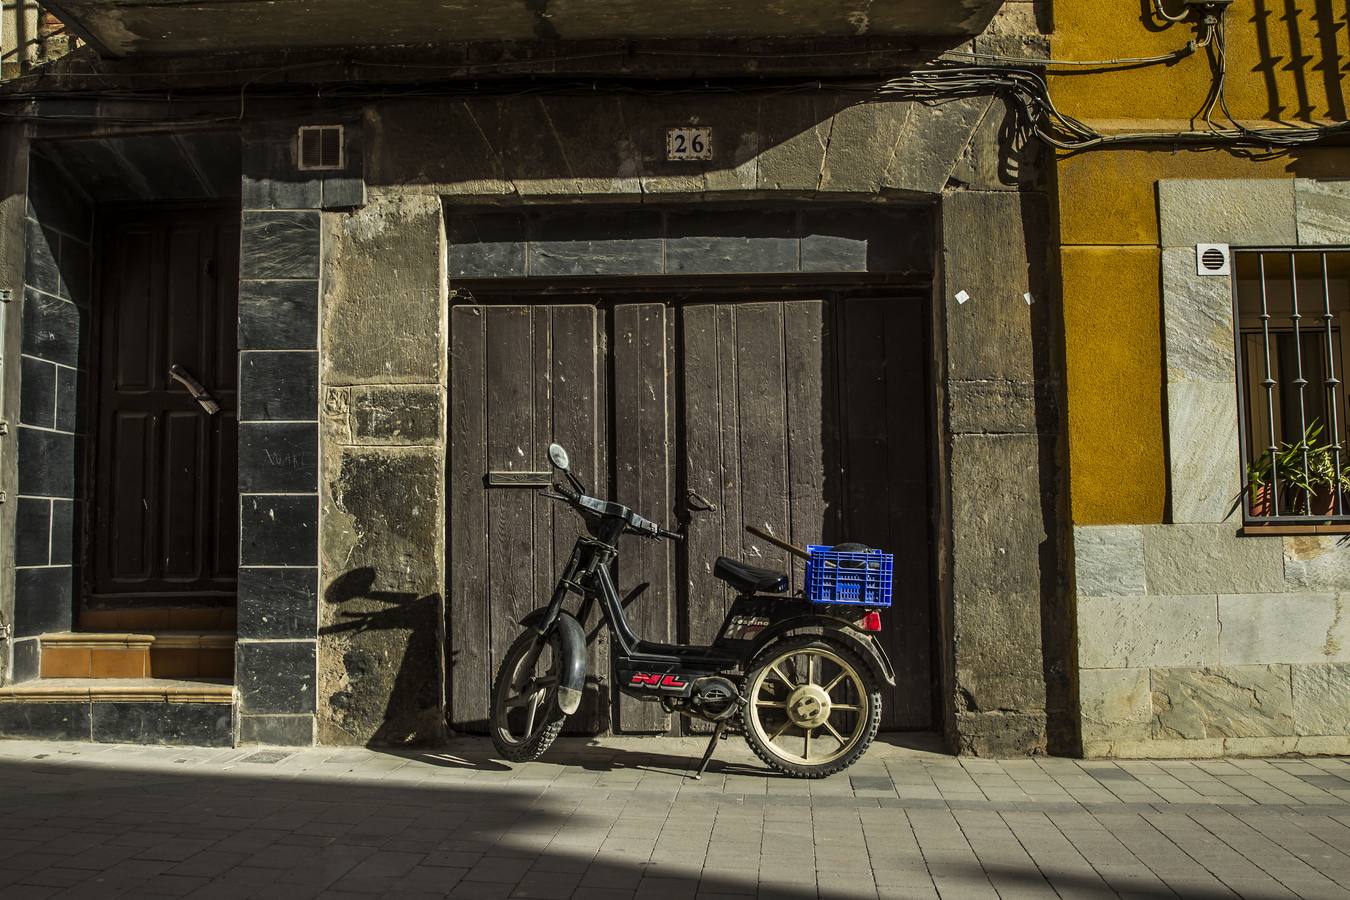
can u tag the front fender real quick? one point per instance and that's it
(830, 629)
(572, 652)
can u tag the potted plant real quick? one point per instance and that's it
(1305, 471)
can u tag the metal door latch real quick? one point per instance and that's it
(195, 388)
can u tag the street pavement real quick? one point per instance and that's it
(619, 818)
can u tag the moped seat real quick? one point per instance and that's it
(749, 579)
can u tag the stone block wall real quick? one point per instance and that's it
(1195, 638)
(381, 616)
(55, 321)
(1195, 641)
(1003, 614)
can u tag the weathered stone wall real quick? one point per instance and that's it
(383, 374)
(1195, 639)
(14, 153)
(381, 616)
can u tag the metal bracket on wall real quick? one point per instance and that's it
(6, 295)
(519, 479)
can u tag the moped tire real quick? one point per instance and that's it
(549, 717)
(782, 698)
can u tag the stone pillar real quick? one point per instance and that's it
(283, 246)
(381, 669)
(54, 309)
(13, 197)
(1002, 584)
(278, 445)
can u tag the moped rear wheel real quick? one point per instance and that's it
(525, 714)
(814, 707)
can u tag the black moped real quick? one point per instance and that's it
(800, 680)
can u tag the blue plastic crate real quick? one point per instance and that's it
(855, 579)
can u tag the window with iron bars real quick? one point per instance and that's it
(1292, 309)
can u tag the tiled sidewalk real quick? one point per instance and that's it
(618, 819)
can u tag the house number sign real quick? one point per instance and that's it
(689, 143)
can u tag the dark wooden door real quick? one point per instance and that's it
(520, 377)
(165, 499)
(807, 417)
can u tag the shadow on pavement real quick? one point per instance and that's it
(606, 755)
(108, 821)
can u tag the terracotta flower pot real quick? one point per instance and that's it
(1261, 505)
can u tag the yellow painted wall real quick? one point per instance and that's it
(1109, 215)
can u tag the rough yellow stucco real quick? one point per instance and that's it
(1111, 324)
(1284, 65)
(1284, 61)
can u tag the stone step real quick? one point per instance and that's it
(195, 712)
(109, 690)
(156, 619)
(173, 654)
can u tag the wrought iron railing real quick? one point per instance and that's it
(1292, 316)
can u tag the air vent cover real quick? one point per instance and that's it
(320, 147)
(1212, 259)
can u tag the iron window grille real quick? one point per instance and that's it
(1292, 313)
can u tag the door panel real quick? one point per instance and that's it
(806, 417)
(642, 480)
(884, 455)
(521, 376)
(165, 517)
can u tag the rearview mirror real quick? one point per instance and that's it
(557, 456)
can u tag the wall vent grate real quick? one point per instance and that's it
(1212, 259)
(321, 148)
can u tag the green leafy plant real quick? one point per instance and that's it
(1304, 469)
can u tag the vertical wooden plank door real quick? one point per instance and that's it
(521, 376)
(643, 457)
(808, 419)
(165, 517)
(805, 417)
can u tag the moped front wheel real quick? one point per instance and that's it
(814, 707)
(525, 714)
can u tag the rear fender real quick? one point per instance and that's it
(572, 665)
(831, 629)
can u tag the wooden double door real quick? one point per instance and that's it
(806, 416)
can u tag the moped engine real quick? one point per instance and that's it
(715, 698)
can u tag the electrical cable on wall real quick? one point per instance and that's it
(1019, 80)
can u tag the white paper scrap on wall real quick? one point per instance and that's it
(962, 296)
(1027, 297)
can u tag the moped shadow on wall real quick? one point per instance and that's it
(799, 675)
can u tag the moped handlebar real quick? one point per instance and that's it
(634, 522)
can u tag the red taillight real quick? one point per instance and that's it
(871, 621)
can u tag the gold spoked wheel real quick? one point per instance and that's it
(814, 708)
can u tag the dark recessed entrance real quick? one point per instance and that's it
(801, 411)
(164, 513)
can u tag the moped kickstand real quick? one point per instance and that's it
(707, 754)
